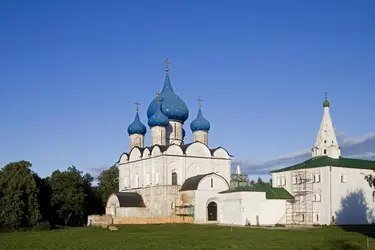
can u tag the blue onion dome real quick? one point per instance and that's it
(158, 118)
(200, 123)
(171, 104)
(137, 127)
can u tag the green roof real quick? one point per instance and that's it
(271, 192)
(322, 161)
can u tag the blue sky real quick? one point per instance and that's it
(72, 70)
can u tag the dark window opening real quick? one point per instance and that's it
(212, 182)
(325, 151)
(174, 178)
(325, 141)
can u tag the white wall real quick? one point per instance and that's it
(242, 207)
(352, 201)
(197, 161)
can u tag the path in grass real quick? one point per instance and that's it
(173, 236)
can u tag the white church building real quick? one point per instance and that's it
(328, 188)
(171, 178)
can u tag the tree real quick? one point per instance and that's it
(108, 182)
(18, 196)
(68, 194)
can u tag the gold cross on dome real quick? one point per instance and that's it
(199, 102)
(166, 61)
(137, 105)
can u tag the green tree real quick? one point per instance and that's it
(108, 182)
(68, 194)
(18, 196)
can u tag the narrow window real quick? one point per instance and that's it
(212, 182)
(314, 197)
(325, 151)
(175, 130)
(174, 178)
(314, 179)
(373, 196)
(294, 180)
(325, 141)
(317, 178)
(157, 178)
(302, 217)
(317, 217)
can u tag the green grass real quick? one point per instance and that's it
(173, 236)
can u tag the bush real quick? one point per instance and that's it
(42, 226)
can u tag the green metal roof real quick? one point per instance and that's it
(322, 161)
(271, 192)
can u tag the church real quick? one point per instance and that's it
(171, 178)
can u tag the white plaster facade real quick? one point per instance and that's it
(328, 188)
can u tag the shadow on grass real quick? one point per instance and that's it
(355, 215)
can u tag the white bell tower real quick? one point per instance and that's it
(326, 142)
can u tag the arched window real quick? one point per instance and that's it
(325, 151)
(136, 180)
(174, 178)
(148, 179)
(302, 217)
(126, 182)
(157, 178)
(212, 182)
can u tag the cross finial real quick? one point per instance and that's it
(166, 61)
(326, 94)
(158, 96)
(199, 102)
(137, 105)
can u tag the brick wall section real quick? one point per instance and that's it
(155, 220)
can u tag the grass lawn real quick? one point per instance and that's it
(174, 236)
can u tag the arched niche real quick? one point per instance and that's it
(174, 150)
(198, 149)
(135, 154)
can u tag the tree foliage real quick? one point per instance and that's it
(108, 182)
(64, 198)
(18, 196)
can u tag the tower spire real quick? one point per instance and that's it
(326, 142)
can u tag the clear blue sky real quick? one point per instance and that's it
(70, 72)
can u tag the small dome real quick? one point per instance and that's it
(158, 118)
(172, 105)
(200, 123)
(326, 103)
(137, 127)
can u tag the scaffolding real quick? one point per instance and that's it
(300, 210)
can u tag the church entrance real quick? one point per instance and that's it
(212, 211)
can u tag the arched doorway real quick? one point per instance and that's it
(212, 211)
